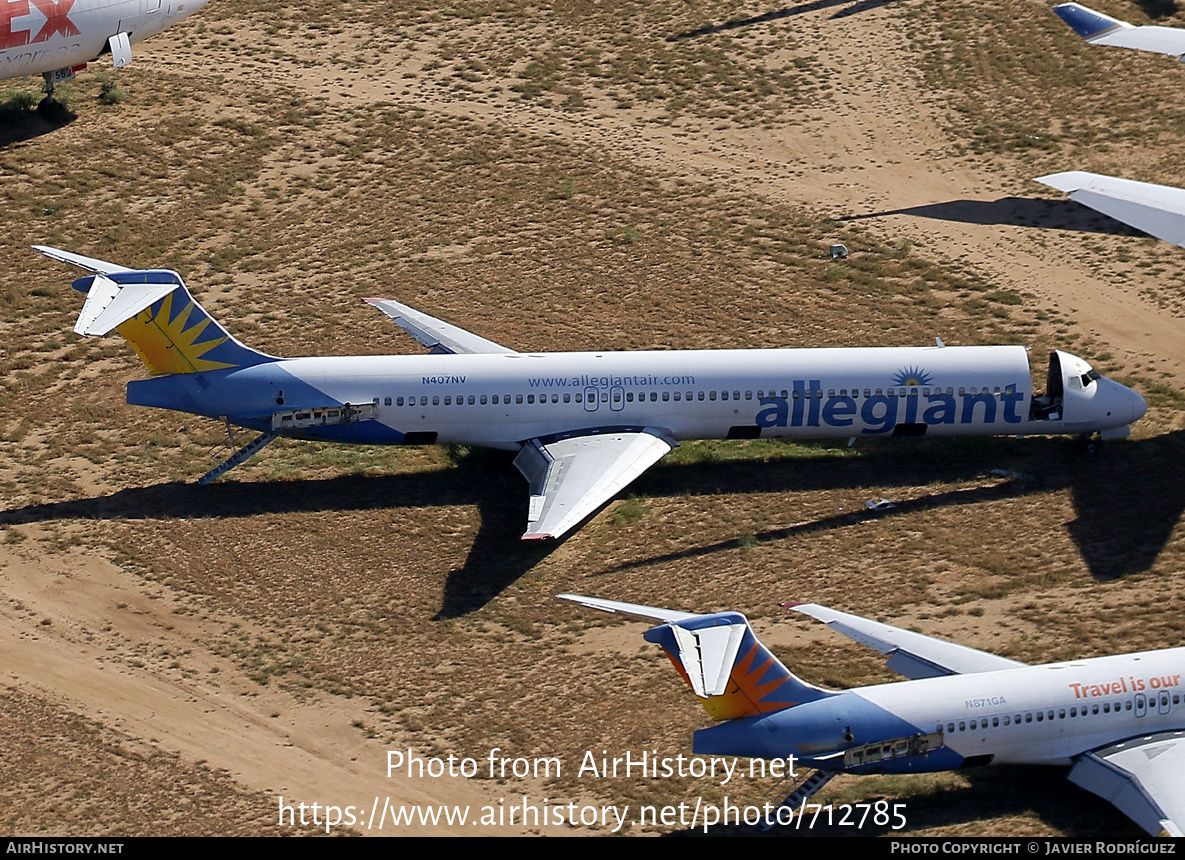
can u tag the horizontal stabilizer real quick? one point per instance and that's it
(719, 658)
(89, 263)
(435, 334)
(914, 655)
(632, 610)
(1099, 29)
(108, 304)
(1158, 210)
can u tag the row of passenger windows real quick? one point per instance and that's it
(1052, 714)
(655, 396)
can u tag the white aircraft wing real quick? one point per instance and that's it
(99, 267)
(437, 335)
(1158, 210)
(1142, 778)
(914, 655)
(633, 610)
(572, 476)
(1099, 29)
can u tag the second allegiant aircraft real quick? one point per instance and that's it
(584, 424)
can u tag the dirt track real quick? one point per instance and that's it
(278, 637)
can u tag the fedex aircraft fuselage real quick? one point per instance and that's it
(56, 37)
(585, 424)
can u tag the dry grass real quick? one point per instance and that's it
(396, 576)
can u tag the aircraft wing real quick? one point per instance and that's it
(633, 610)
(572, 476)
(913, 655)
(1158, 210)
(437, 335)
(1099, 29)
(1142, 778)
(99, 267)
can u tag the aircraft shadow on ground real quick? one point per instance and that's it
(18, 126)
(1015, 211)
(1004, 792)
(1157, 8)
(853, 8)
(1128, 498)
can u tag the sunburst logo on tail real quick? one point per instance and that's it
(169, 342)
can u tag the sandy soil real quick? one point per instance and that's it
(84, 636)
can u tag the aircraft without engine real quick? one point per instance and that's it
(57, 38)
(583, 424)
(1118, 722)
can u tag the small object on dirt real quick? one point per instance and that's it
(839, 251)
(880, 505)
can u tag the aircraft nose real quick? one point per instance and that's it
(1138, 405)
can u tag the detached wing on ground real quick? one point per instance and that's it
(574, 475)
(1142, 778)
(913, 655)
(1099, 29)
(1158, 210)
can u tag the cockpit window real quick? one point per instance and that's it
(1089, 377)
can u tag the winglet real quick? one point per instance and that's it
(1099, 29)
(1087, 23)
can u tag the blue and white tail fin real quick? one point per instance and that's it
(719, 658)
(154, 312)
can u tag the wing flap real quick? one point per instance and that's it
(572, 476)
(914, 655)
(435, 334)
(1141, 777)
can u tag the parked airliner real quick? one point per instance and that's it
(584, 424)
(1117, 721)
(57, 38)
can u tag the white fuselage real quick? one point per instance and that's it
(38, 36)
(502, 400)
(1044, 714)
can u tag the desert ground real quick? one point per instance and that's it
(177, 659)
